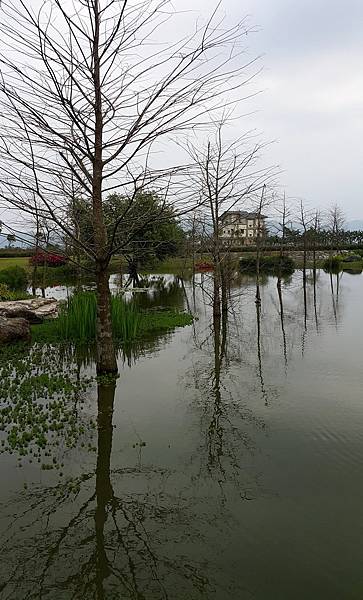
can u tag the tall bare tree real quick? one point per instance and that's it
(284, 213)
(87, 92)
(262, 203)
(335, 223)
(305, 220)
(225, 176)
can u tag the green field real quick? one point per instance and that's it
(20, 261)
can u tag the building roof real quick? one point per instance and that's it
(242, 213)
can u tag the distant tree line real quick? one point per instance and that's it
(322, 237)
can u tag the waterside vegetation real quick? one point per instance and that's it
(77, 321)
(39, 412)
(268, 264)
(343, 262)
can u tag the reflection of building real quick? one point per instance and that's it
(241, 228)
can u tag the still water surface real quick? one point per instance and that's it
(226, 464)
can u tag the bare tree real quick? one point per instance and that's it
(316, 234)
(225, 177)
(86, 94)
(284, 213)
(261, 204)
(305, 220)
(335, 222)
(316, 227)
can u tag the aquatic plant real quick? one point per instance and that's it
(126, 319)
(77, 320)
(40, 400)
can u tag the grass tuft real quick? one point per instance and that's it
(77, 321)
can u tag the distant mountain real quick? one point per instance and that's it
(354, 225)
(275, 228)
(23, 240)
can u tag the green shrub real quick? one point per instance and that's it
(15, 278)
(333, 263)
(339, 262)
(7, 295)
(4, 292)
(352, 258)
(268, 264)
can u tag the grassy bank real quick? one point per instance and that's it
(177, 265)
(17, 261)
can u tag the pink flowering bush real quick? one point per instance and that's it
(48, 258)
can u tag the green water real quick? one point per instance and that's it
(226, 462)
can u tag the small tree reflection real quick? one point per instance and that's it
(227, 424)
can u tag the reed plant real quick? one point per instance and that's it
(77, 318)
(130, 321)
(126, 319)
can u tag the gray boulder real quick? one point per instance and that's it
(13, 330)
(33, 310)
(352, 258)
(21, 312)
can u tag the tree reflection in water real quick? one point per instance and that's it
(227, 425)
(121, 532)
(235, 336)
(134, 549)
(147, 533)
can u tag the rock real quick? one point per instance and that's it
(34, 309)
(13, 330)
(352, 258)
(22, 313)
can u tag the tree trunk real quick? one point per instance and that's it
(35, 266)
(258, 265)
(104, 491)
(225, 278)
(279, 291)
(106, 354)
(216, 293)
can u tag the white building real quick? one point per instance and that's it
(242, 228)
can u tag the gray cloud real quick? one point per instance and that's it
(312, 82)
(312, 102)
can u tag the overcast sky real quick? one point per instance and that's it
(311, 100)
(312, 103)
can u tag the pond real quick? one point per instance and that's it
(225, 463)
